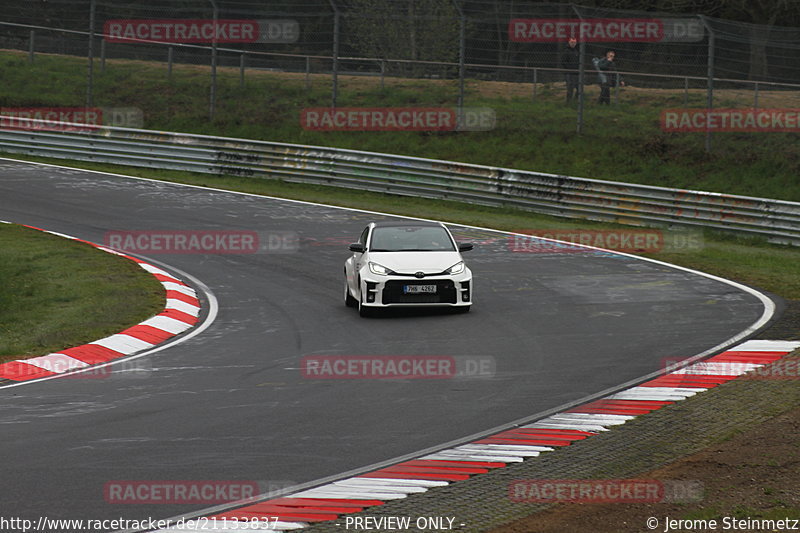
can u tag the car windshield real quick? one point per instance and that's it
(411, 239)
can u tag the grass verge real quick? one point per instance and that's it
(57, 293)
(623, 142)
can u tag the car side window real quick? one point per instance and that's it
(363, 238)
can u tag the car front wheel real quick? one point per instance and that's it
(349, 301)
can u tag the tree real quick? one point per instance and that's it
(421, 30)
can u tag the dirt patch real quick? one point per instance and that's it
(751, 475)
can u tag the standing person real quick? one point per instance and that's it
(608, 75)
(571, 61)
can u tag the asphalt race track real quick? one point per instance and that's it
(231, 402)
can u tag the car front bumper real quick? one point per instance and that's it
(390, 291)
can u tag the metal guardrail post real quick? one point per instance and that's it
(308, 73)
(31, 41)
(241, 70)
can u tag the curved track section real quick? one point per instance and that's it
(179, 315)
(231, 403)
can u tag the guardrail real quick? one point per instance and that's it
(564, 196)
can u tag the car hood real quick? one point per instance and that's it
(411, 262)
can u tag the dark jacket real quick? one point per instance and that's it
(571, 58)
(607, 72)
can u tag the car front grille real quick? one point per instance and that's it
(445, 292)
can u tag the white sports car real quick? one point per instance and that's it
(400, 264)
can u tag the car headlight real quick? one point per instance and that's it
(458, 268)
(380, 270)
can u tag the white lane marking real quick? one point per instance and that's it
(470, 455)
(655, 394)
(758, 345)
(567, 425)
(505, 447)
(348, 494)
(424, 482)
(165, 323)
(124, 344)
(54, 362)
(180, 305)
(180, 287)
(155, 270)
(713, 368)
(365, 484)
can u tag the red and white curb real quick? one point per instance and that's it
(180, 314)
(332, 500)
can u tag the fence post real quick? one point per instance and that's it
(383, 71)
(686, 91)
(335, 66)
(462, 52)
(213, 96)
(710, 78)
(170, 51)
(31, 41)
(755, 97)
(308, 73)
(581, 79)
(90, 66)
(103, 55)
(241, 70)
(535, 81)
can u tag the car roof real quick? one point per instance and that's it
(406, 223)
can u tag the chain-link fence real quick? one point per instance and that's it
(702, 60)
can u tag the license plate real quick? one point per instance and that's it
(419, 289)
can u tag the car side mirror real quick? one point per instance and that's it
(465, 246)
(357, 247)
